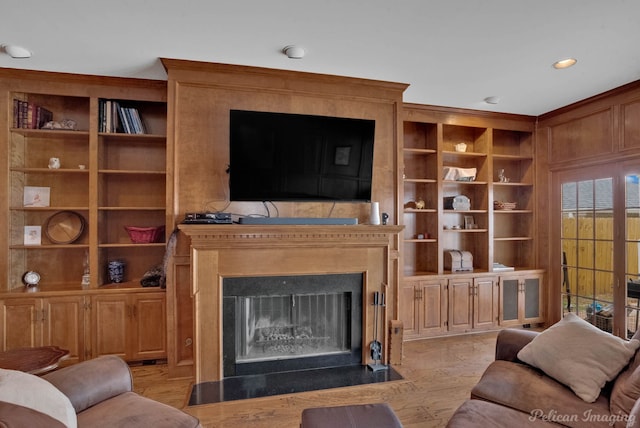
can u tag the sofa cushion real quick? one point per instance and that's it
(130, 409)
(579, 355)
(529, 390)
(478, 413)
(626, 389)
(36, 393)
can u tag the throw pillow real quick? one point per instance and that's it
(36, 393)
(579, 355)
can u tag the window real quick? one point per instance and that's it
(600, 245)
(587, 248)
(632, 250)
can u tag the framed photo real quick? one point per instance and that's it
(32, 235)
(36, 196)
(469, 223)
(342, 155)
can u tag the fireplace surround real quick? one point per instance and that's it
(219, 252)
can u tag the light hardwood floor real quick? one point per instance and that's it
(438, 376)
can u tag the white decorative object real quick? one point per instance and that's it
(36, 196)
(461, 147)
(54, 163)
(459, 174)
(375, 213)
(32, 235)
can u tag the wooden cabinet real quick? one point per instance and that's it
(473, 303)
(521, 299)
(106, 177)
(423, 309)
(433, 306)
(131, 325)
(36, 321)
(496, 226)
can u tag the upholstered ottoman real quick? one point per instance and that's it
(378, 415)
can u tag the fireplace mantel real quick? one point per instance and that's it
(219, 251)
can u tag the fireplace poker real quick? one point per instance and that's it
(376, 346)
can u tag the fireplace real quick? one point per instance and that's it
(223, 252)
(284, 323)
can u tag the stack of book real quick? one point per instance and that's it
(499, 267)
(116, 118)
(28, 115)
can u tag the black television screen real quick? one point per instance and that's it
(294, 157)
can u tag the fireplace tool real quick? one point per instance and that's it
(376, 346)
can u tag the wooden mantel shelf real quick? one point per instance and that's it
(234, 235)
(219, 251)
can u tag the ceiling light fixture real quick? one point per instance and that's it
(16, 51)
(492, 100)
(564, 63)
(293, 51)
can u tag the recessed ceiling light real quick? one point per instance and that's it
(492, 100)
(293, 51)
(564, 63)
(16, 51)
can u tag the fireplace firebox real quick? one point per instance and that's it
(284, 323)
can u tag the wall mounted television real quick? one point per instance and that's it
(296, 157)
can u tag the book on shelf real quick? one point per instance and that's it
(114, 117)
(499, 267)
(28, 115)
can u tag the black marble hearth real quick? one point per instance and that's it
(270, 384)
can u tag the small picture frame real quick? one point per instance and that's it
(469, 222)
(342, 155)
(36, 196)
(32, 235)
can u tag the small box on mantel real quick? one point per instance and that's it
(396, 333)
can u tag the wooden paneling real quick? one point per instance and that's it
(201, 95)
(630, 113)
(583, 137)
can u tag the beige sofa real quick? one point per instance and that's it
(513, 393)
(99, 391)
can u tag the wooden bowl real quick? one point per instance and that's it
(64, 227)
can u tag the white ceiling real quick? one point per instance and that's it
(452, 52)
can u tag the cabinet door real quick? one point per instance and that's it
(21, 323)
(64, 325)
(408, 313)
(109, 323)
(460, 304)
(148, 326)
(485, 302)
(509, 300)
(432, 307)
(532, 299)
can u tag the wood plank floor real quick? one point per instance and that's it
(438, 376)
